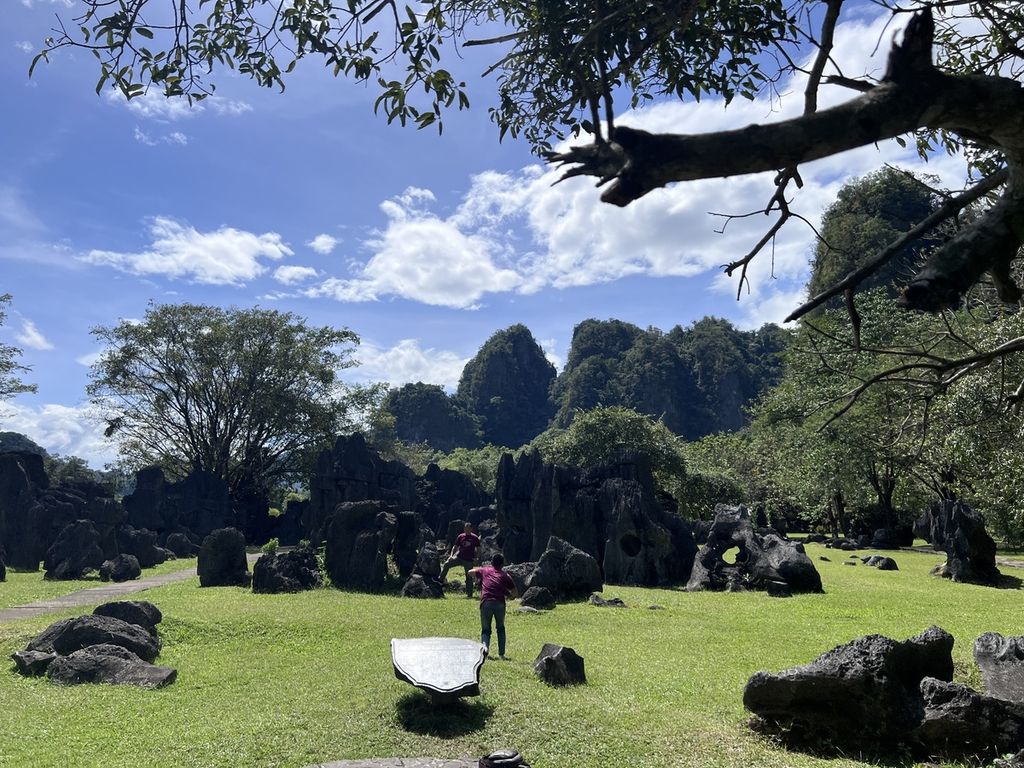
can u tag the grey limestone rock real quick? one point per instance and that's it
(110, 664)
(1001, 661)
(139, 612)
(559, 665)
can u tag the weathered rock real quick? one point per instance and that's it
(758, 560)
(139, 612)
(44, 640)
(23, 519)
(83, 631)
(963, 724)
(559, 665)
(863, 696)
(611, 512)
(424, 587)
(142, 544)
(200, 502)
(181, 545)
(222, 560)
(892, 538)
(409, 537)
(566, 571)
(539, 598)
(778, 589)
(293, 571)
(32, 663)
(359, 537)
(1001, 661)
(959, 531)
(3, 569)
(612, 602)
(428, 561)
(521, 573)
(815, 538)
(352, 472)
(121, 568)
(76, 550)
(110, 664)
(144, 504)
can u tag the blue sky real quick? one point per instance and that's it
(306, 201)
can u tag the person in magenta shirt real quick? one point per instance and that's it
(464, 553)
(495, 586)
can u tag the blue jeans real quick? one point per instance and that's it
(492, 609)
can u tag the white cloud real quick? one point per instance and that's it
(33, 3)
(24, 46)
(154, 105)
(406, 362)
(90, 358)
(323, 244)
(226, 256)
(175, 138)
(32, 337)
(291, 275)
(427, 259)
(68, 430)
(550, 347)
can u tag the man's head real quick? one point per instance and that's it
(498, 561)
(468, 527)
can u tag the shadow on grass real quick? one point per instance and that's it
(1008, 582)
(417, 713)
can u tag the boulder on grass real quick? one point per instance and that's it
(121, 568)
(139, 612)
(962, 724)
(861, 697)
(539, 598)
(559, 665)
(566, 571)
(222, 560)
(611, 602)
(181, 545)
(959, 531)
(76, 550)
(69, 635)
(295, 571)
(423, 587)
(32, 663)
(1001, 661)
(110, 664)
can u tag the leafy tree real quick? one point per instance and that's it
(246, 394)
(603, 434)
(479, 464)
(10, 382)
(506, 386)
(868, 214)
(15, 441)
(425, 413)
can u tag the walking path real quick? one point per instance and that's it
(95, 595)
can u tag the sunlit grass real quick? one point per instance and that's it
(24, 587)
(290, 680)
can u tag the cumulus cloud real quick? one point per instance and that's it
(175, 138)
(154, 105)
(68, 430)
(550, 347)
(34, 3)
(406, 362)
(24, 46)
(294, 275)
(90, 358)
(31, 337)
(226, 256)
(323, 244)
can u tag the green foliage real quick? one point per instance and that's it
(479, 464)
(10, 381)
(230, 645)
(869, 214)
(698, 380)
(425, 413)
(246, 394)
(270, 548)
(505, 385)
(69, 469)
(721, 469)
(15, 441)
(605, 433)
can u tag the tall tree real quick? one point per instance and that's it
(506, 386)
(245, 394)
(10, 370)
(425, 413)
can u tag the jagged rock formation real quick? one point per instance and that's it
(76, 550)
(1001, 661)
(610, 512)
(198, 504)
(359, 537)
(121, 568)
(559, 665)
(760, 561)
(222, 560)
(565, 571)
(293, 571)
(959, 531)
(351, 472)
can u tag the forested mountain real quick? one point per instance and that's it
(697, 379)
(425, 413)
(506, 386)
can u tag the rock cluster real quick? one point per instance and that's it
(115, 645)
(761, 562)
(881, 697)
(610, 512)
(959, 531)
(294, 571)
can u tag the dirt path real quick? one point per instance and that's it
(97, 595)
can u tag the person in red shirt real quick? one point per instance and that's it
(464, 553)
(495, 586)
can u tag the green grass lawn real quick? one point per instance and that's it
(21, 587)
(289, 680)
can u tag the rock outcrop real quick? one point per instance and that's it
(359, 536)
(1001, 661)
(566, 571)
(109, 664)
(76, 551)
(293, 571)
(959, 531)
(558, 665)
(759, 560)
(222, 560)
(121, 568)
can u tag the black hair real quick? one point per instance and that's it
(497, 561)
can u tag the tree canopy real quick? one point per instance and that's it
(11, 383)
(245, 394)
(425, 413)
